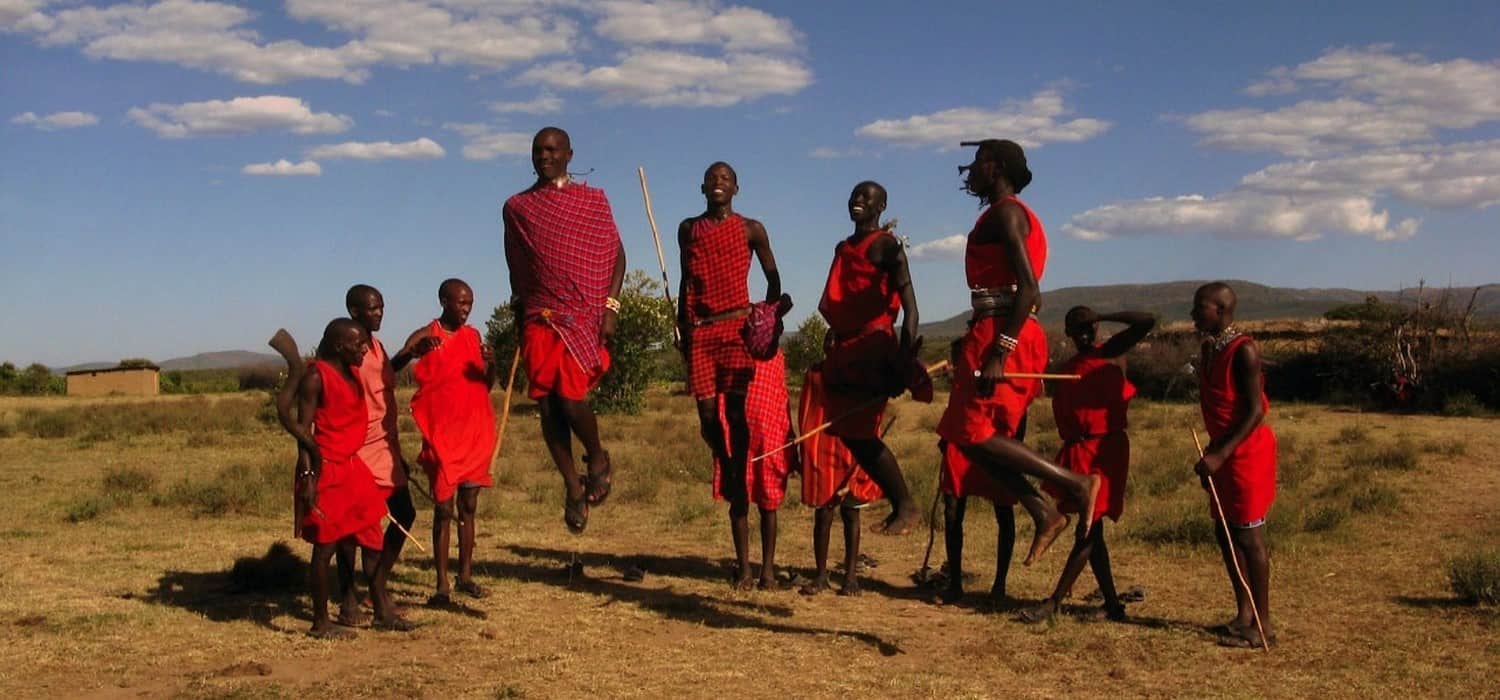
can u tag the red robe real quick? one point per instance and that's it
(382, 449)
(828, 469)
(1247, 482)
(862, 364)
(561, 245)
(1090, 417)
(970, 418)
(716, 280)
(452, 409)
(768, 414)
(348, 502)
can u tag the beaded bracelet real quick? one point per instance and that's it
(612, 304)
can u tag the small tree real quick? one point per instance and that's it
(136, 363)
(643, 328)
(804, 348)
(36, 379)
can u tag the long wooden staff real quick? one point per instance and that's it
(403, 530)
(661, 258)
(510, 384)
(862, 406)
(1228, 540)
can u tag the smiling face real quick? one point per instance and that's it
(551, 152)
(866, 203)
(720, 184)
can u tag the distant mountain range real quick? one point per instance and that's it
(224, 359)
(1172, 300)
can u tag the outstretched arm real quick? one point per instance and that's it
(419, 343)
(760, 242)
(1139, 326)
(1249, 414)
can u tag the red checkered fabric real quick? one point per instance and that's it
(768, 412)
(717, 273)
(561, 245)
(718, 361)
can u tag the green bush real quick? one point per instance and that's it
(803, 347)
(1475, 577)
(642, 330)
(236, 489)
(1398, 456)
(116, 421)
(1323, 518)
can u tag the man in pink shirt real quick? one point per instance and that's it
(382, 454)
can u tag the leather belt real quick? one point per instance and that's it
(726, 316)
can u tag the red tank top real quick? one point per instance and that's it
(986, 265)
(1217, 395)
(1094, 405)
(718, 267)
(858, 294)
(339, 424)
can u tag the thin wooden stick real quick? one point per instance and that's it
(404, 532)
(1229, 540)
(661, 258)
(862, 406)
(447, 510)
(510, 384)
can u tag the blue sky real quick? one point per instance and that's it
(186, 176)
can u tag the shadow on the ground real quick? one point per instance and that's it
(1434, 602)
(256, 589)
(557, 567)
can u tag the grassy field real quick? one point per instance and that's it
(125, 518)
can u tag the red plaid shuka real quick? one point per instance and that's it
(561, 245)
(767, 410)
(717, 267)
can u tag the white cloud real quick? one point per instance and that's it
(1032, 122)
(1378, 98)
(1241, 214)
(1463, 174)
(948, 248)
(283, 168)
(384, 113)
(485, 143)
(56, 120)
(237, 116)
(830, 153)
(657, 52)
(545, 103)
(661, 78)
(685, 22)
(419, 149)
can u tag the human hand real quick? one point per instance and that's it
(991, 374)
(607, 326)
(422, 343)
(1209, 463)
(487, 353)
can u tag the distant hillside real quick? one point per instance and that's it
(224, 359)
(1171, 301)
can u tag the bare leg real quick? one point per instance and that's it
(440, 538)
(997, 455)
(1077, 559)
(585, 425)
(739, 527)
(1250, 546)
(1244, 617)
(558, 436)
(1099, 562)
(468, 505)
(321, 556)
(880, 463)
(850, 517)
(349, 612)
(953, 544)
(403, 512)
(768, 549)
(1005, 547)
(822, 527)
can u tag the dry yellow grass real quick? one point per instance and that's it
(132, 601)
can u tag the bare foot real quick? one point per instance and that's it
(818, 585)
(352, 617)
(949, 595)
(326, 630)
(900, 522)
(998, 601)
(744, 583)
(393, 623)
(1045, 534)
(850, 587)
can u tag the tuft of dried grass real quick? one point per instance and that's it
(1475, 576)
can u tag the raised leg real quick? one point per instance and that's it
(880, 463)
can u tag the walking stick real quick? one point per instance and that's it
(661, 258)
(403, 530)
(937, 495)
(510, 384)
(1224, 523)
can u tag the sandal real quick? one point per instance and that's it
(576, 513)
(395, 624)
(471, 589)
(441, 599)
(599, 483)
(1245, 638)
(1035, 614)
(1108, 613)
